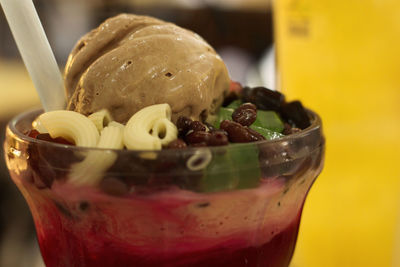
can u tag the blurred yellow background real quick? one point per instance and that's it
(16, 90)
(343, 60)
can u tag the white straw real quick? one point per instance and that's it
(36, 52)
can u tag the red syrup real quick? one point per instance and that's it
(275, 253)
(159, 231)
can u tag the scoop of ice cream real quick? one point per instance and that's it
(130, 62)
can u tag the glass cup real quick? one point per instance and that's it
(236, 205)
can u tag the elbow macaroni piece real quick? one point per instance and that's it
(101, 119)
(90, 170)
(111, 137)
(70, 125)
(37, 125)
(165, 130)
(116, 124)
(150, 128)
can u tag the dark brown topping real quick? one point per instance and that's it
(294, 112)
(289, 129)
(263, 98)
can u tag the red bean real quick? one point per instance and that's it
(255, 134)
(33, 133)
(183, 125)
(238, 133)
(58, 140)
(245, 117)
(201, 144)
(177, 144)
(218, 138)
(197, 126)
(197, 137)
(247, 106)
(210, 127)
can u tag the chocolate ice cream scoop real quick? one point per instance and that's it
(130, 62)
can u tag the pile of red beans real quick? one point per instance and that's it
(195, 133)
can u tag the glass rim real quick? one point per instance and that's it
(316, 125)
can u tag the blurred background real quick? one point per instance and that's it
(340, 59)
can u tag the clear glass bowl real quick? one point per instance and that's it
(237, 205)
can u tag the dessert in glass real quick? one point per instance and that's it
(161, 160)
